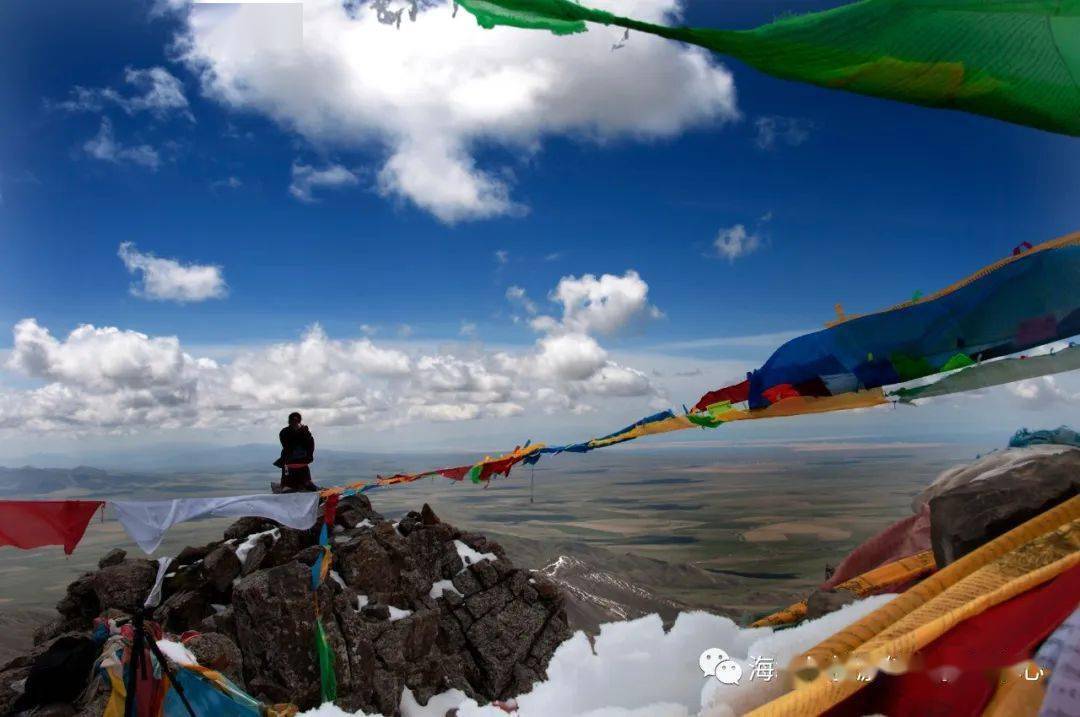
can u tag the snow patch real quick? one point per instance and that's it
(397, 613)
(245, 547)
(441, 587)
(361, 602)
(470, 556)
(337, 578)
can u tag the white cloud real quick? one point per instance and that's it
(159, 92)
(169, 280)
(103, 379)
(468, 329)
(774, 130)
(104, 146)
(306, 179)
(502, 256)
(569, 357)
(1043, 392)
(517, 295)
(430, 93)
(227, 183)
(606, 305)
(735, 242)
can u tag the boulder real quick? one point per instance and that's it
(183, 611)
(971, 514)
(122, 586)
(193, 554)
(221, 567)
(218, 652)
(353, 510)
(275, 624)
(244, 527)
(823, 602)
(113, 557)
(58, 674)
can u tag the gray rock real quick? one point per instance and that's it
(275, 624)
(12, 677)
(823, 602)
(354, 510)
(183, 611)
(257, 556)
(221, 567)
(223, 622)
(969, 515)
(113, 557)
(220, 653)
(244, 527)
(192, 554)
(123, 586)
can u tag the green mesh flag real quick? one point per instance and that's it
(326, 664)
(1016, 60)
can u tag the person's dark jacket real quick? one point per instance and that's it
(297, 446)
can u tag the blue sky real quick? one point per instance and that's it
(855, 200)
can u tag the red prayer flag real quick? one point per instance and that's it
(34, 523)
(736, 394)
(454, 473)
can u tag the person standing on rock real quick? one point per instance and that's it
(297, 452)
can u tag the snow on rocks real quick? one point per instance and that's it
(443, 586)
(616, 675)
(470, 556)
(245, 547)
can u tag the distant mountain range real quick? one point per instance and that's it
(41, 481)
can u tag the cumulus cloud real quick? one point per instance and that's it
(105, 147)
(169, 280)
(306, 179)
(430, 93)
(106, 378)
(774, 130)
(592, 305)
(158, 92)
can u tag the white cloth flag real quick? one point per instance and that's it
(147, 521)
(154, 597)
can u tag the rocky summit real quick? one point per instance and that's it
(416, 604)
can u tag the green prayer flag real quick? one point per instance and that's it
(702, 420)
(1015, 60)
(995, 373)
(474, 473)
(326, 664)
(908, 367)
(959, 360)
